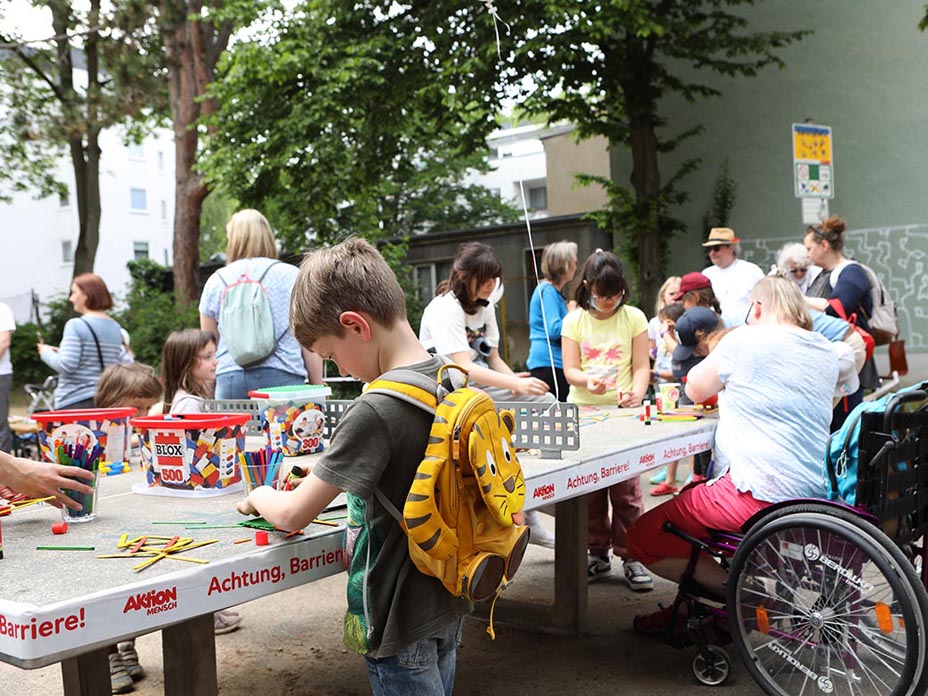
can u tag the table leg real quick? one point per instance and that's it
(568, 613)
(87, 674)
(189, 650)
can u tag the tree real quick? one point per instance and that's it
(608, 66)
(50, 109)
(350, 118)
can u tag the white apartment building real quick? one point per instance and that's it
(517, 158)
(137, 219)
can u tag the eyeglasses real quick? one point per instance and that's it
(606, 297)
(719, 246)
(797, 271)
(751, 311)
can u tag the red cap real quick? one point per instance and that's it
(60, 528)
(261, 538)
(692, 281)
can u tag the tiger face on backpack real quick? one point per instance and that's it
(459, 511)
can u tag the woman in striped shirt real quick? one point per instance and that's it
(90, 344)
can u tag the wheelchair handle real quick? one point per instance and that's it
(897, 401)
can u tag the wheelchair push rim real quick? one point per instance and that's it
(822, 602)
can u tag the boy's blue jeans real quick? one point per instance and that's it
(424, 668)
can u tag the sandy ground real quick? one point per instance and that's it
(291, 643)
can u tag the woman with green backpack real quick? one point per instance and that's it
(247, 304)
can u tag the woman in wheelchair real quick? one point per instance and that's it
(776, 380)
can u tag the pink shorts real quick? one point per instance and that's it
(695, 510)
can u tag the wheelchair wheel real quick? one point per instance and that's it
(821, 601)
(712, 667)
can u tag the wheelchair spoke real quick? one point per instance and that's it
(819, 607)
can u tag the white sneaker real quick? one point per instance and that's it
(540, 535)
(637, 577)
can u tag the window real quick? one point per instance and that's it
(64, 199)
(538, 198)
(136, 151)
(67, 251)
(166, 257)
(139, 250)
(530, 280)
(160, 161)
(164, 210)
(138, 199)
(429, 275)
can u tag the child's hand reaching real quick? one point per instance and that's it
(245, 507)
(629, 400)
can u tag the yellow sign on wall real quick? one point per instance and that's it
(813, 168)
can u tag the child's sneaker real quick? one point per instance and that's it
(597, 567)
(664, 489)
(659, 477)
(225, 622)
(637, 577)
(120, 681)
(130, 660)
(539, 535)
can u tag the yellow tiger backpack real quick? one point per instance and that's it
(458, 513)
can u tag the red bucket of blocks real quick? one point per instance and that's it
(194, 454)
(107, 427)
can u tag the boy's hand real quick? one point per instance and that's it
(245, 507)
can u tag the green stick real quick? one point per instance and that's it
(65, 548)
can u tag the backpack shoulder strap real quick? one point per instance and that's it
(267, 269)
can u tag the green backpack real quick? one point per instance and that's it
(246, 319)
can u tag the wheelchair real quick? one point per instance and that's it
(824, 598)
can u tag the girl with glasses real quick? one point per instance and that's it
(605, 350)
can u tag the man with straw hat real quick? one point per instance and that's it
(732, 278)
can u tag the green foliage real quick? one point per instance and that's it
(28, 368)
(608, 68)
(151, 312)
(723, 201)
(358, 118)
(217, 209)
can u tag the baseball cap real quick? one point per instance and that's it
(692, 281)
(697, 319)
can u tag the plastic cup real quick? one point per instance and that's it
(88, 503)
(254, 475)
(670, 395)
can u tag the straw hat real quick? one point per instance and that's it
(721, 235)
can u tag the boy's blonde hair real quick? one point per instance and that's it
(782, 297)
(120, 383)
(249, 235)
(556, 259)
(348, 277)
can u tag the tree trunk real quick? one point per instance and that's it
(192, 49)
(84, 159)
(646, 180)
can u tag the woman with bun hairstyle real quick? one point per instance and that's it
(841, 290)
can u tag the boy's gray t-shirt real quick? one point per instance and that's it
(379, 443)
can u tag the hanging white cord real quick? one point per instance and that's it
(491, 10)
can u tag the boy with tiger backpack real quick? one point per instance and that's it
(348, 307)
